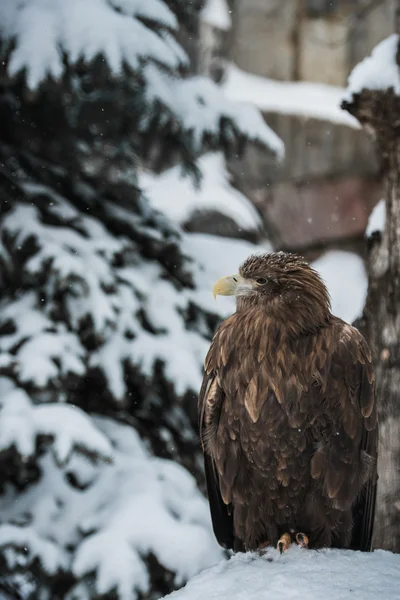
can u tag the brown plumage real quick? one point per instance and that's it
(286, 412)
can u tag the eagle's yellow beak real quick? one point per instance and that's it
(226, 286)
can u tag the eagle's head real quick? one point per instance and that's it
(283, 284)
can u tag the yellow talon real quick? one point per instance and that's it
(284, 542)
(302, 540)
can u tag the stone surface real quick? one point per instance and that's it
(323, 54)
(367, 28)
(324, 190)
(262, 37)
(329, 182)
(313, 149)
(216, 223)
(312, 213)
(314, 40)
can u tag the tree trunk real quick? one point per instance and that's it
(379, 111)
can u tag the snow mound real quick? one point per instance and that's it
(378, 71)
(310, 100)
(178, 198)
(377, 218)
(298, 575)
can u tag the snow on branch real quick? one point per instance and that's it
(178, 198)
(21, 546)
(158, 510)
(47, 351)
(379, 71)
(119, 36)
(92, 282)
(71, 260)
(303, 98)
(69, 428)
(138, 34)
(329, 574)
(154, 10)
(203, 109)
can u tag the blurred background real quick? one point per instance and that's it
(292, 59)
(147, 147)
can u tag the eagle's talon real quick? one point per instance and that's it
(302, 540)
(263, 547)
(284, 542)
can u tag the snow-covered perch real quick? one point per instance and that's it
(298, 575)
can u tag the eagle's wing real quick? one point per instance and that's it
(211, 398)
(345, 461)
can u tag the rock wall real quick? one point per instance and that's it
(311, 40)
(329, 182)
(325, 189)
(323, 193)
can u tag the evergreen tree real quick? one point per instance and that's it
(102, 331)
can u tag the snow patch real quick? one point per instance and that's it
(177, 197)
(200, 104)
(217, 14)
(298, 575)
(69, 428)
(309, 100)
(119, 38)
(345, 276)
(378, 71)
(377, 218)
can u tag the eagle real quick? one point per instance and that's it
(287, 416)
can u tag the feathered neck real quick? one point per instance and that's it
(300, 315)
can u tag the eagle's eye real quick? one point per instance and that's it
(261, 280)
